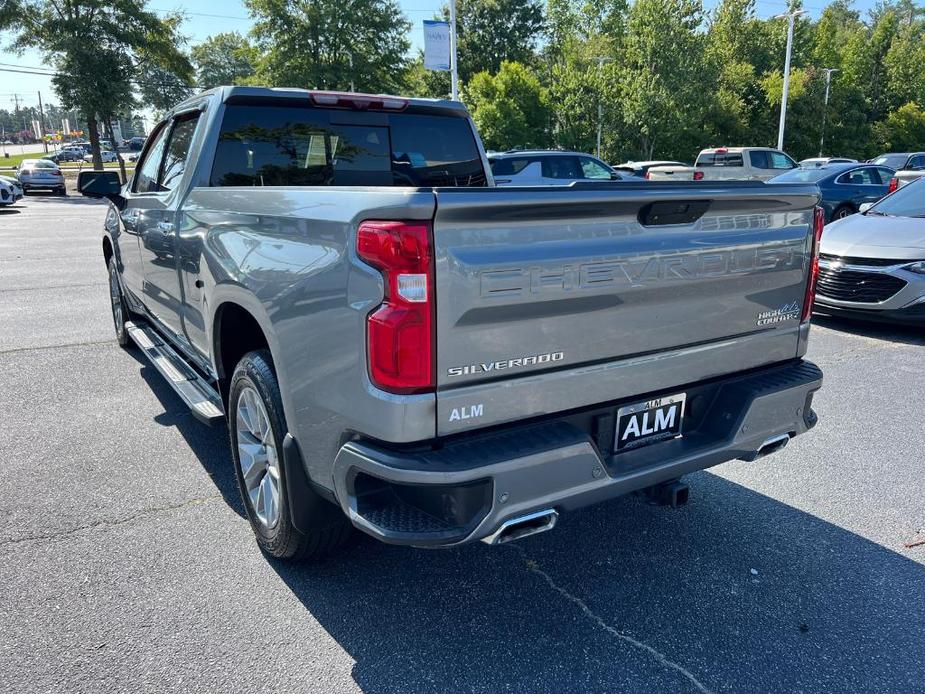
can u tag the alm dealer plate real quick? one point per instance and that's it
(647, 422)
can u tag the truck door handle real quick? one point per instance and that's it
(165, 228)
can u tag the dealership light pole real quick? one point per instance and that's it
(454, 78)
(791, 17)
(601, 59)
(825, 110)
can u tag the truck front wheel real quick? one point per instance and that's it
(257, 428)
(120, 312)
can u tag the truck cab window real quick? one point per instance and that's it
(147, 172)
(178, 151)
(297, 146)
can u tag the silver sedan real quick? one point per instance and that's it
(872, 265)
(41, 174)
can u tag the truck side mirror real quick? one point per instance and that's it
(99, 184)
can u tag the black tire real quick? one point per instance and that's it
(842, 212)
(120, 312)
(282, 540)
(62, 192)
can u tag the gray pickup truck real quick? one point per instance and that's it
(398, 345)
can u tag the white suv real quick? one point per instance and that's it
(548, 168)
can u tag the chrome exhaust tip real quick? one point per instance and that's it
(772, 445)
(523, 526)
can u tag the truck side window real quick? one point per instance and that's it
(147, 172)
(593, 169)
(508, 166)
(759, 159)
(779, 160)
(560, 167)
(178, 151)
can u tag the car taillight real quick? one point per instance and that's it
(818, 223)
(400, 332)
(894, 185)
(698, 175)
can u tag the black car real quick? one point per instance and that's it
(844, 187)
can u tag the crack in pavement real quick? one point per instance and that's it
(104, 522)
(594, 617)
(36, 348)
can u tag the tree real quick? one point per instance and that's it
(329, 44)
(662, 94)
(493, 31)
(902, 130)
(225, 58)
(98, 48)
(510, 109)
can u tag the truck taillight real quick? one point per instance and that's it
(818, 223)
(894, 185)
(698, 175)
(400, 331)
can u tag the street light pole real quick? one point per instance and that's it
(825, 110)
(791, 17)
(601, 59)
(454, 78)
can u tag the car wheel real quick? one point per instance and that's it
(120, 312)
(842, 212)
(62, 192)
(257, 427)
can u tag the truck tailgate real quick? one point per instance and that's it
(550, 299)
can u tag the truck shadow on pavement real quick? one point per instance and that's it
(734, 592)
(907, 334)
(209, 444)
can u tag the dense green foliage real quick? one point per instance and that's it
(664, 78)
(314, 44)
(671, 78)
(104, 52)
(225, 58)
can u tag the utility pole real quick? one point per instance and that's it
(42, 123)
(350, 62)
(791, 17)
(601, 59)
(454, 77)
(825, 110)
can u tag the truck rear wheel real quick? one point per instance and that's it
(257, 428)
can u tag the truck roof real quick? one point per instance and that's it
(739, 149)
(232, 94)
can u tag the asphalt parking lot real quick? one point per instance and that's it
(126, 564)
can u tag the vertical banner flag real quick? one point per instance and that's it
(436, 45)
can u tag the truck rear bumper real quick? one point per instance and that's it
(473, 485)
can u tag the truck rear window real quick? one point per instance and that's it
(296, 146)
(719, 159)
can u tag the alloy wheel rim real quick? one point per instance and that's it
(115, 297)
(257, 457)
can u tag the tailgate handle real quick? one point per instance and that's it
(673, 212)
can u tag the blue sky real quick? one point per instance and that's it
(206, 17)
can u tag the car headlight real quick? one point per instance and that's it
(918, 267)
